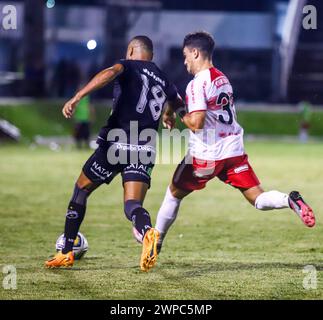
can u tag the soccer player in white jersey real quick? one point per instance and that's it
(216, 142)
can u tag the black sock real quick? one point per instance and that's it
(141, 220)
(74, 217)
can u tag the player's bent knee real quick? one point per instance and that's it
(178, 193)
(130, 206)
(83, 182)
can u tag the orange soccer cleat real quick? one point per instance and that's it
(149, 250)
(61, 260)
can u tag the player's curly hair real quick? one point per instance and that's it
(201, 40)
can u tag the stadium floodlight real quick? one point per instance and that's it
(50, 4)
(91, 44)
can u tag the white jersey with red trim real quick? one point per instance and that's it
(221, 136)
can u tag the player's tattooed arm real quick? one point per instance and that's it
(99, 80)
(195, 120)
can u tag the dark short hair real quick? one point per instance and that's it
(145, 41)
(201, 40)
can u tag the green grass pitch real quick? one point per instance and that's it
(219, 248)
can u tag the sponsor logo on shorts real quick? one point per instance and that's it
(242, 168)
(100, 171)
(138, 167)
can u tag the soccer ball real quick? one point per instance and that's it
(80, 246)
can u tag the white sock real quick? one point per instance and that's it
(272, 200)
(167, 213)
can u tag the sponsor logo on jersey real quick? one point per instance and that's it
(134, 147)
(151, 74)
(221, 81)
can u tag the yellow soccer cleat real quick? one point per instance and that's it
(61, 260)
(149, 250)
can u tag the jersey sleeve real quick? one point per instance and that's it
(195, 96)
(126, 64)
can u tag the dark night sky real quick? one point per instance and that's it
(219, 5)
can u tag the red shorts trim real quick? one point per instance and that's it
(193, 174)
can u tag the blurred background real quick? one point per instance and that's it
(275, 65)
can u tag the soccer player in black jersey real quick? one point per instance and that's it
(125, 145)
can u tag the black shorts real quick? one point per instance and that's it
(99, 170)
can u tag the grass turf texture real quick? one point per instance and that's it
(48, 117)
(219, 248)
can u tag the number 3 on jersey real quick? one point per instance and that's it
(156, 103)
(225, 102)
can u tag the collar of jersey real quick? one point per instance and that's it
(200, 72)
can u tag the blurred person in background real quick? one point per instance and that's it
(305, 121)
(83, 116)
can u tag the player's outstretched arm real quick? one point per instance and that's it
(101, 79)
(195, 120)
